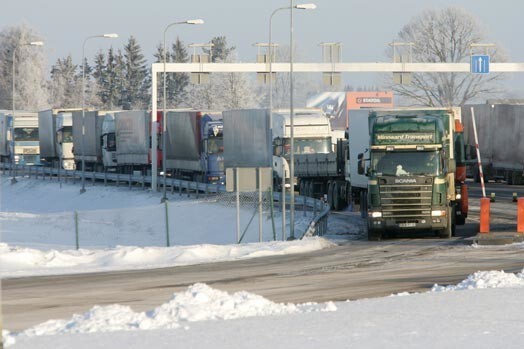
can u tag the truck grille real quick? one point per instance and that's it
(405, 201)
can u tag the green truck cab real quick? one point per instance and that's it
(411, 172)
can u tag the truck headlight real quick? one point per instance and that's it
(376, 214)
(438, 213)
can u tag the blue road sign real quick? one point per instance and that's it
(480, 64)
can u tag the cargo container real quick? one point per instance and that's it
(56, 137)
(195, 146)
(500, 128)
(6, 125)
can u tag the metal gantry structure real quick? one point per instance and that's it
(377, 67)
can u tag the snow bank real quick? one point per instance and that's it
(485, 279)
(18, 261)
(198, 303)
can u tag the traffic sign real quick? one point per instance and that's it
(480, 64)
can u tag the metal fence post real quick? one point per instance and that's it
(259, 204)
(76, 231)
(304, 206)
(237, 182)
(167, 224)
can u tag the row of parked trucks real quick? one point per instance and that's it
(405, 167)
(115, 141)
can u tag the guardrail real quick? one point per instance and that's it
(318, 226)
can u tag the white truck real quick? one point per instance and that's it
(319, 161)
(56, 138)
(26, 146)
(108, 142)
(6, 125)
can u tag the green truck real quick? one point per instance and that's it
(416, 172)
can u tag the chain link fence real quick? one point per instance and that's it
(208, 220)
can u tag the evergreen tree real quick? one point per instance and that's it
(219, 52)
(159, 55)
(178, 82)
(137, 76)
(65, 85)
(91, 88)
(100, 77)
(120, 81)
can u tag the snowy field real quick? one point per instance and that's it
(125, 229)
(483, 311)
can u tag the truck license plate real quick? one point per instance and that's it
(407, 225)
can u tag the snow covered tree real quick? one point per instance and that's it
(66, 84)
(91, 88)
(110, 76)
(445, 36)
(224, 91)
(137, 82)
(100, 77)
(176, 83)
(304, 84)
(219, 52)
(30, 69)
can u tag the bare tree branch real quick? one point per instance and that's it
(445, 36)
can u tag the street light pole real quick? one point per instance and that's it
(164, 113)
(292, 130)
(33, 43)
(270, 60)
(107, 36)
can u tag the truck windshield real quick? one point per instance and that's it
(407, 163)
(67, 134)
(111, 142)
(215, 145)
(308, 146)
(24, 134)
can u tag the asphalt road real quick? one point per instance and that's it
(353, 269)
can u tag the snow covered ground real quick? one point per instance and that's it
(122, 229)
(483, 311)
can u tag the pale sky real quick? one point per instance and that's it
(363, 27)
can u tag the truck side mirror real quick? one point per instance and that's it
(361, 166)
(452, 167)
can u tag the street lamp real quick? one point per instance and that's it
(291, 121)
(32, 43)
(164, 114)
(270, 52)
(106, 36)
(270, 60)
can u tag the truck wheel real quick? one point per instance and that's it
(330, 194)
(460, 220)
(374, 235)
(447, 232)
(336, 196)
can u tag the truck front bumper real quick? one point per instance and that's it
(403, 224)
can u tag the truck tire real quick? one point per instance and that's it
(374, 234)
(308, 188)
(447, 232)
(330, 195)
(337, 197)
